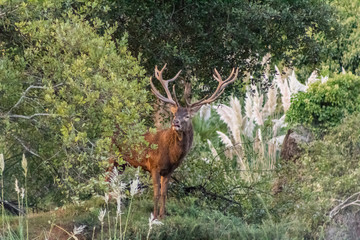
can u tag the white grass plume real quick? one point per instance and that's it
(236, 106)
(249, 128)
(277, 141)
(205, 112)
(324, 79)
(17, 189)
(278, 124)
(286, 96)
(313, 78)
(101, 215)
(257, 107)
(228, 144)
(152, 221)
(270, 105)
(24, 165)
(134, 187)
(213, 150)
(295, 85)
(78, 230)
(229, 116)
(2, 163)
(283, 85)
(248, 105)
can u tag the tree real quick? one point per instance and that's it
(62, 98)
(344, 51)
(198, 36)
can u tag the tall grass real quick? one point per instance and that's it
(2, 168)
(253, 129)
(117, 188)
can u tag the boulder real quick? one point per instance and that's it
(291, 150)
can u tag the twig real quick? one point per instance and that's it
(26, 91)
(26, 148)
(5, 13)
(31, 116)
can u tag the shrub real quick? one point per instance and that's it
(324, 105)
(329, 170)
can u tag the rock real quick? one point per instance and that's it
(291, 150)
(345, 225)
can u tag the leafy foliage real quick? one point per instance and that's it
(324, 105)
(198, 36)
(80, 89)
(343, 52)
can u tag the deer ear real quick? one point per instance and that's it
(194, 110)
(173, 109)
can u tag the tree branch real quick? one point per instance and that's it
(31, 116)
(26, 91)
(26, 147)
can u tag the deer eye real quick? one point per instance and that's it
(187, 117)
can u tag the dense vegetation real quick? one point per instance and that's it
(74, 80)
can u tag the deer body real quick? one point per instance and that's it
(174, 143)
(171, 151)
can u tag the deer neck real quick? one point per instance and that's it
(184, 139)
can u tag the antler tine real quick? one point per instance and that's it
(164, 83)
(220, 88)
(176, 100)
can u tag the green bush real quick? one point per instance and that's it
(324, 105)
(83, 85)
(328, 171)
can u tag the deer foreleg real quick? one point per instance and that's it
(164, 187)
(156, 186)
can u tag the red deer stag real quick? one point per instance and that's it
(174, 143)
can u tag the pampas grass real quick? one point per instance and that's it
(259, 106)
(270, 105)
(295, 85)
(152, 221)
(283, 85)
(117, 187)
(232, 120)
(313, 78)
(205, 112)
(228, 144)
(213, 150)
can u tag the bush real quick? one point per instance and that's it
(329, 170)
(83, 85)
(324, 105)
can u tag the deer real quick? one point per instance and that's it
(174, 143)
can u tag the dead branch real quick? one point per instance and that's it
(346, 203)
(23, 95)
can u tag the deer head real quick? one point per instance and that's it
(182, 115)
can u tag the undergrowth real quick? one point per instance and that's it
(185, 220)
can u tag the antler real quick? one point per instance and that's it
(219, 90)
(164, 83)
